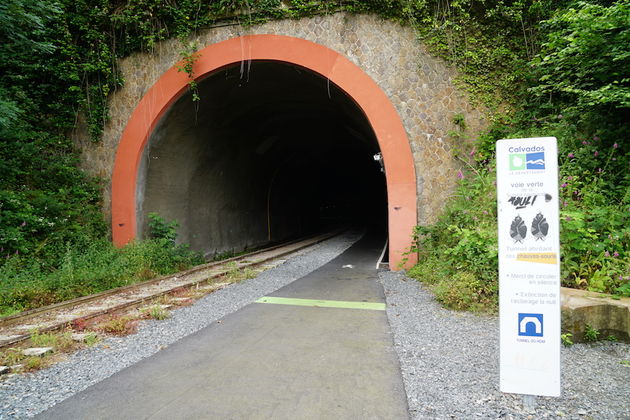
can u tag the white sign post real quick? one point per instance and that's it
(529, 266)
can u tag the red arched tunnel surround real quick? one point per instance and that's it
(381, 114)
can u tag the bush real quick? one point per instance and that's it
(458, 255)
(100, 266)
(161, 229)
(579, 94)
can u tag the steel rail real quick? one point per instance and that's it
(242, 260)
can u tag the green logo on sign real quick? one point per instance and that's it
(518, 162)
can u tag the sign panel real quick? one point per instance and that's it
(529, 265)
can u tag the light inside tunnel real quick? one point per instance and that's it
(272, 151)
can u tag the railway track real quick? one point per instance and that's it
(17, 328)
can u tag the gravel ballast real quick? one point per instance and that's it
(29, 394)
(450, 365)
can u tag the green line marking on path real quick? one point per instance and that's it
(373, 306)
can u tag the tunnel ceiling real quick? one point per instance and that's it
(272, 100)
(268, 152)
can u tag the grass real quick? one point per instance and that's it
(11, 357)
(61, 342)
(58, 341)
(91, 339)
(236, 274)
(33, 363)
(24, 284)
(158, 312)
(120, 326)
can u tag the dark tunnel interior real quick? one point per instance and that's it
(270, 152)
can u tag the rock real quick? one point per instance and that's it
(79, 337)
(8, 337)
(37, 351)
(581, 412)
(160, 306)
(609, 316)
(4, 369)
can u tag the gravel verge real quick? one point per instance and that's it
(450, 365)
(29, 394)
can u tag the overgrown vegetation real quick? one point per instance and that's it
(99, 266)
(59, 342)
(560, 64)
(237, 274)
(578, 90)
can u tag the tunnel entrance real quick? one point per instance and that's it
(272, 151)
(131, 163)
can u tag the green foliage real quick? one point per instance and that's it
(566, 339)
(458, 254)
(33, 363)
(236, 274)
(91, 339)
(189, 57)
(579, 94)
(584, 59)
(100, 266)
(590, 333)
(490, 42)
(58, 341)
(158, 313)
(161, 229)
(43, 339)
(120, 326)
(45, 201)
(11, 357)
(623, 290)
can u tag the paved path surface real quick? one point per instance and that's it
(271, 360)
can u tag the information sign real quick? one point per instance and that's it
(529, 266)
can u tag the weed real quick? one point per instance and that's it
(236, 274)
(43, 340)
(590, 333)
(91, 339)
(460, 292)
(224, 255)
(158, 312)
(94, 268)
(612, 338)
(11, 356)
(460, 121)
(58, 341)
(625, 362)
(119, 326)
(161, 229)
(33, 363)
(566, 339)
(65, 342)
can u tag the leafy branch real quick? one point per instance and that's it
(189, 57)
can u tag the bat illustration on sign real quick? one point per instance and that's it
(540, 227)
(518, 230)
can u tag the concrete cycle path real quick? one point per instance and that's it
(318, 348)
